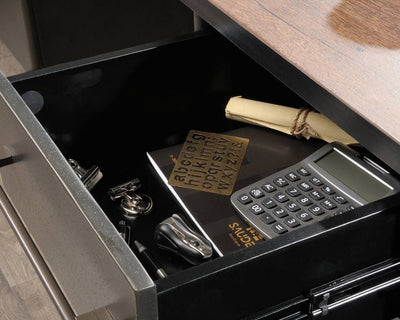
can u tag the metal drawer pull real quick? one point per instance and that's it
(32, 252)
(5, 156)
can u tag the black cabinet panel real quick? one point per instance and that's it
(68, 30)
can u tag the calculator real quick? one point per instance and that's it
(329, 182)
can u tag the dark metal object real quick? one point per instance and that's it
(174, 235)
(133, 205)
(6, 161)
(5, 156)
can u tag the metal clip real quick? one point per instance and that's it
(132, 204)
(89, 177)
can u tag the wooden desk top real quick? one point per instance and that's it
(349, 49)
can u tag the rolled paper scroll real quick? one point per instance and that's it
(298, 122)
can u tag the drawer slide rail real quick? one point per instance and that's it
(335, 294)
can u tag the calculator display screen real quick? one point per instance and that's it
(354, 177)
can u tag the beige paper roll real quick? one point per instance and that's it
(286, 119)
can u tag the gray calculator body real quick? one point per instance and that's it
(331, 181)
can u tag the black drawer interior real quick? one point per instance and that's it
(109, 110)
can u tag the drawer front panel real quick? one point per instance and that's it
(88, 259)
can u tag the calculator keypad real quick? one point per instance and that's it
(293, 191)
(280, 182)
(290, 200)
(256, 193)
(256, 209)
(268, 187)
(281, 197)
(269, 203)
(244, 198)
(292, 176)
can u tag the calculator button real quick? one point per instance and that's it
(303, 216)
(279, 212)
(279, 228)
(316, 195)
(256, 209)
(327, 190)
(256, 193)
(268, 187)
(292, 176)
(291, 222)
(244, 198)
(280, 182)
(315, 181)
(328, 204)
(281, 197)
(316, 210)
(269, 203)
(303, 172)
(305, 201)
(305, 186)
(292, 206)
(293, 192)
(267, 218)
(340, 199)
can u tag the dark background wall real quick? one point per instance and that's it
(66, 30)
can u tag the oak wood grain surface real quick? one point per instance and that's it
(350, 48)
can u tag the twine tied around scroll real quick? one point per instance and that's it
(300, 124)
(292, 121)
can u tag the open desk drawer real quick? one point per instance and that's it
(108, 111)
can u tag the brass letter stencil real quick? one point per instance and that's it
(209, 162)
